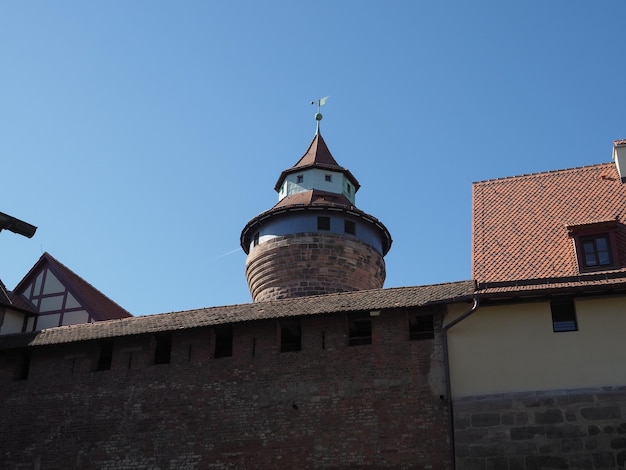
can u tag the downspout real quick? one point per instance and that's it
(447, 369)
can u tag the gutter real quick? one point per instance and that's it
(446, 360)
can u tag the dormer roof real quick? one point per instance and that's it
(317, 156)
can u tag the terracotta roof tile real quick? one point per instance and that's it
(520, 224)
(376, 299)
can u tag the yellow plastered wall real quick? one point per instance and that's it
(510, 348)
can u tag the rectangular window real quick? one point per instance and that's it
(300, 178)
(105, 357)
(563, 315)
(348, 188)
(323, 223)
(163, 348)
(290, 335)
(223, 341)
(596, 251)
(255, 240)
(421, 327)
(328, 178)
(359, 329)
(349, 227)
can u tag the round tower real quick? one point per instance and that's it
(314, 240)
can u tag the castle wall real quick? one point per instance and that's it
(310, 264)
(328, 406)
(557, 429)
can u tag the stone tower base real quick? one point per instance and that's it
(310, 264)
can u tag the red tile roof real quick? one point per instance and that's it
(520, 224)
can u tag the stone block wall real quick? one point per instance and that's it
(312, 264)
(566, 429)
(328, 406)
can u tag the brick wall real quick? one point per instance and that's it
(570, 429)
(329, 405)
(311, 264)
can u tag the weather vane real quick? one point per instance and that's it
(318, 116)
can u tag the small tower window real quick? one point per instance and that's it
(349, 227)
(348, 188)
(323, 223)
(300, 178)
(255, 240)
(328, 178)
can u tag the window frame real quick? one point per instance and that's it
(594, 231)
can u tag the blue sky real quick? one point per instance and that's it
(140, 137)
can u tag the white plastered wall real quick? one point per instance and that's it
(511, 348)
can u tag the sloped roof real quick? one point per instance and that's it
(317, 156)
(314, 197)
(100, 307)
(375, 299)
(13, 301)
(520, 224)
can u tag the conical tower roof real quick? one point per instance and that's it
(317, 156)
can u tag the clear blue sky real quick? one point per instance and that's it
(140, 137)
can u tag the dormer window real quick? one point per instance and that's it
(300, 178)
(596, 248)
(596, 251)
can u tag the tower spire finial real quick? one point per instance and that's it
(318, 116)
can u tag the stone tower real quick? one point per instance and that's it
(314, 240)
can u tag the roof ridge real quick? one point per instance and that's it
(540, 173)
(68, 272)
